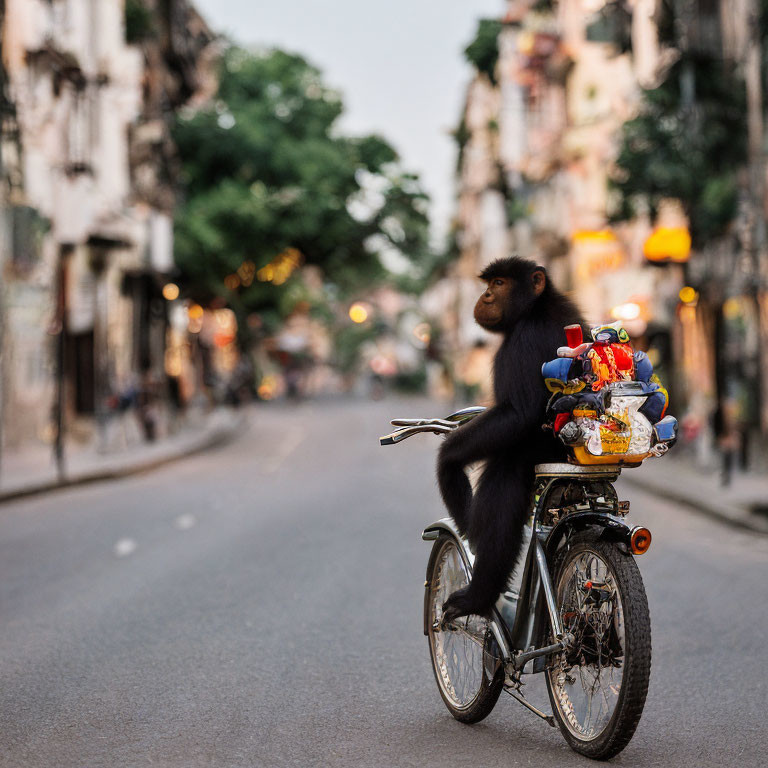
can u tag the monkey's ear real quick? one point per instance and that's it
(539, 280)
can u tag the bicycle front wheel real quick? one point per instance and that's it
(465, 658)
(598, 686)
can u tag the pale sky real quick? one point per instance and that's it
(398, 64)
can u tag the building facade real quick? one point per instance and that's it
(539, 139)
(90, 91)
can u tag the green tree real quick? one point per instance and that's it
(687, 142)
(483, 51)
(269, 179)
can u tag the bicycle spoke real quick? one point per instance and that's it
(586, 679)
(459, 652)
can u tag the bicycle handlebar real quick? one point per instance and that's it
(410, 427)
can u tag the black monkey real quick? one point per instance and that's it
(521, 303)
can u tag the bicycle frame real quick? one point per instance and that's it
(537, 617)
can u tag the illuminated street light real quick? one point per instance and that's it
(170, 291)
(358, 313)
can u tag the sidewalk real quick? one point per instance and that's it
(679, 480)
(32, 470)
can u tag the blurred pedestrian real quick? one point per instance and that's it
(241, 385)
(728, 437)
(147, 406)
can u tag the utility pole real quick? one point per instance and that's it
(58, 331)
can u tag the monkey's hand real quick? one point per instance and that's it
(461, 603)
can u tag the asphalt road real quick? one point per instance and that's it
(260, 605)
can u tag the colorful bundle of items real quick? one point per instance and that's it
(607, 404)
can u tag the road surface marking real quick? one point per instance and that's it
(184, 522)
(125, 547)
(290, 443)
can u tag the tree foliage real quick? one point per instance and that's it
(483, 51)
(267, 172)
(687, 142)
(138, 21)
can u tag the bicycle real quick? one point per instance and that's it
(575, 607)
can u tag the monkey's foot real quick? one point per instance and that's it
(462, 603)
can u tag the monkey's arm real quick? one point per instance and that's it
(498, 429)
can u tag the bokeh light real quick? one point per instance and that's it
(268, 387)
(246, 272)
(626, 312)
(423, 332)
(170, 291)
(173, 361)
(277, 271)
(358, 313)
(195, 313)
(226, 327)
(688, 295)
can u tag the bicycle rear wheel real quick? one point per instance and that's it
(465, 659)
(598, 686)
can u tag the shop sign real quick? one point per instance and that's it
(668, 244)
(596, 252)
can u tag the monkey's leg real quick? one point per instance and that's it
(498, 512)
(455, 490)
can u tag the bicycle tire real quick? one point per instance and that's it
(627, 635)
(460, 653)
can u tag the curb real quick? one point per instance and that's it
(214, 438)
(733, 515)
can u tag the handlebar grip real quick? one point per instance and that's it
(423, 423)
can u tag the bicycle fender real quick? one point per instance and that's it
(445, 525)
(613, 529)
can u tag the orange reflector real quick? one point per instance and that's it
(640, 540)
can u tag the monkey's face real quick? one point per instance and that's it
(492, 306)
